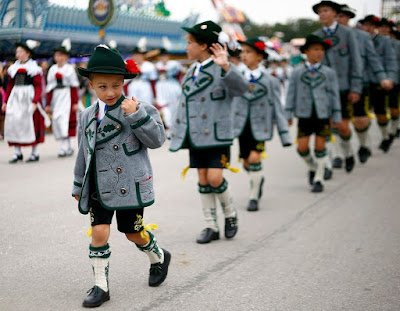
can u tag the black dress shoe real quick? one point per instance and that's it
(363, 154)
(33, 158)
(261, 188)
(207, 235)
(317, 187)
(62, 154)
(311, 175)
(253, 206)
(349, 164)
(385, 145)
(398, 133)
(96, 297)
(16, 158)
(231, 227)
(337, 163)
(159, 271)
(327, 174)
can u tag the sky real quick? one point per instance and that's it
(259, 11)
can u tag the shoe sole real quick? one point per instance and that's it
(167, 260)
(96, 305)
(206, 242)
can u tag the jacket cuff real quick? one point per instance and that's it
(138, 118)
(337, 117)
(76, 189)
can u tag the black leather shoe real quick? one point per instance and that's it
(96, 297)
(385, 145)
(261, 188)
(317, 187)
(327, 174)
(337, 163)
(398, 133)
(349, 164)
(207, 235)
(159, 271)
(363, 154)
(16, 158)
(253, 206)
(231, 227)
(33, 158)
(311, 175)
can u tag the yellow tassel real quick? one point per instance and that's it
(333, 139)
(352, 119)
(147, 228)
(264, 155)
(232, 169)
(371, 115)
(239, 160)
(388, 116)
(89, 232)
(184, 172)
(295, 141)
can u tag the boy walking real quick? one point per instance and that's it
(113, 170)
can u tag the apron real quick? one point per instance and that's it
(61, 102)
(18, 125)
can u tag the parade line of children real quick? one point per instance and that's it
(345, 70)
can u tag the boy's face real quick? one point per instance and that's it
(108, 87)
(60, 58)
(193, 48)
(343, 19)
(250, 57)
(384, 30)
(326, 15)
(369, 27)
(315, 53)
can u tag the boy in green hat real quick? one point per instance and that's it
(113, 170)
(313, 96)
(255, 114)
(204, 122)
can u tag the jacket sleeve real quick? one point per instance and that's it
(281, 122)
(335, 98)
(79, 169)
(147, 125)
(390, 61)
(37, 85)
(235, 82)
(290, 96)
(10, 86)
(373, 60)
(356, 69)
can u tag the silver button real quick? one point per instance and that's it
(206, 132)
(87, 131)
(123, 190)
(118, 127)
(119, 170)
(266, 129)
(204, 116)
(115, 147)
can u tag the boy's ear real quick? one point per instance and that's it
(90, 83)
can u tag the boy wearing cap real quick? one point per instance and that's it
(379, 95)
(372, 63)
(254, 114)
(113, 170)
(62, 98)
(344, 57)
(204, 122)
(24, 122)
(313, 96)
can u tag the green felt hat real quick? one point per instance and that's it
(346, 10)
(375, 20)
(330, 4)
(313, 39)
(206, 32)
(109, 61)
(257, 44)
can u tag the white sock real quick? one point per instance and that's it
(155, 253)
(363, 136)
(35, 150)
(335, 148)
(329, 158)
(100, 269)
(308, 158)
(224, 196)
(319, 174)
(209, 207)
(346, 147)
(393, 126)
(255, 182)
(17, 150)
(384, 131)
(64, 145)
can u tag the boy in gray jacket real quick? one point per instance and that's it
(113, 170)
(313, 96)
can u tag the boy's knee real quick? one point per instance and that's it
(215, 181)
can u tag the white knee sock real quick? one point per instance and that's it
(225, 198)
(256, 177)
(384, 131)
(393, 126)
(35, 150)
(308, 158)
(347, 149)
(17, 150)
(99, 257)
(209, 207)
(320, 159)
(155, 253)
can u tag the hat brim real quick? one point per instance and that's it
(265, 54)
(199, 35)
(349, 14)
(24, 46)
(306, 46)
(329, 4)
(87, 72)
(64, 51)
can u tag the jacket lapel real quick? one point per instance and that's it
(313, 80)
(90, 130)
(257, 90)
(110, 126)
(203, 80)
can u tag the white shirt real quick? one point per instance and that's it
(102, 113)
(201, 65)
(331, 28)
(312, 66)
(253, 74)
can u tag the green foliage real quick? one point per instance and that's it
(160, 9)
(294, 28)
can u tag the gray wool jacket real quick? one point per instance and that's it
(319, 90)
(344, 57)
(117, 148)
(204, 116)
(261, 106)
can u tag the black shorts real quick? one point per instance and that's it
(128, 221)
(209, 158)
(313, 125)
(347, 108)
(394, 97)
(361, 108)
(379, 99)
(247, 143)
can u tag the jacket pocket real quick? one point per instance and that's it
(132, 146)
(145, 191)
(218, 94)
(343, 50)
(223, 131)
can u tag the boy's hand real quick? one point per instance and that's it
(76, 197)
(129, 105)
(290, 122)
(353, 97)
(47, 109)
(4, 107)
(220, 56)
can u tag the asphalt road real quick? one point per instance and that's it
(338, 250)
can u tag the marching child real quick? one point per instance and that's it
(113, 170)
(204, 122)
(254, 114)
(62, 98)
(313, 96)
(24, 122)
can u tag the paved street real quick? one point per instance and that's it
(338, 250)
